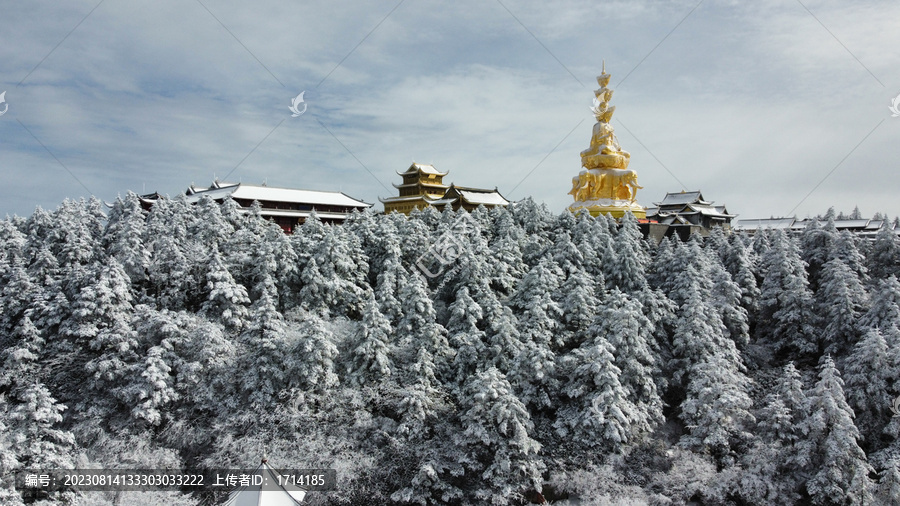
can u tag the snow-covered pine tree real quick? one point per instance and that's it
(389, 279)
(869, 373)
(816, 243)
(787, 309)
(660, 273)
(627, 269)
(419, 328)
(38, 229)
(31, 435)
(227, 300)
(311, 362)
(565, 253)
(761, 243)
(211, 228)
(20, 355)
(465, 335)
(12, 246)
(239, 251)
(539, 315)
(836, 463)
(888, 491)
(335, 277)
(791, 392)
(600, 414)
(769, 473)
(188, 360)
(123, 237)
(101, 326)
(884, 258)
(499, 454)
(534, 218)
(622, 322)
(33, 430)
(579, 306)
(17, 293)
(699, 332)
(884, 309)
(506, 263)
(502, 335)
(285, 261)
(765, 473)
(741, 264)
(44, 268)
(841, 299)
(420, 394)
(262, 364)
(169, 217)
(689, 269)
(533, 371)
(846, 248)
(172, 277)
(369, 360)
(716, 409)
(73, 240)
(727, 298)
(593, 238)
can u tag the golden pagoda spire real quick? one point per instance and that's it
(606, 185)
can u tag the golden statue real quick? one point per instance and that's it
(607, 185)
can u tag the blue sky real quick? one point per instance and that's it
(754, 103)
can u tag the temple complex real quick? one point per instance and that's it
(690, 208)
(288, 207)
(606, 185)
(423, 186)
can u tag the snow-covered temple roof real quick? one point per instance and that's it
(263, 193)
(764, 223)
(423, 168)
(862, 227)
(478, 196)
(682, 198)
(273, 494)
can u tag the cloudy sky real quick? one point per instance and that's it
(772, 107)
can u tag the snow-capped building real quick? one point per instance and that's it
(288, 207)
(423, 186)
(862, 227)
(689, 208)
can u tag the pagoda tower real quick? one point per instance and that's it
(605, 185)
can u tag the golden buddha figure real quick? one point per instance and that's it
(606, 185)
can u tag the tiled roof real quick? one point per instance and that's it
(274, 194)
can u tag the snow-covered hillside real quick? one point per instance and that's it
(450, 358)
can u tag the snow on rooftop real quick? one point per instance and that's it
(681, 198)
(773, 223)
(707, 210)
(426, 169)
(487, 198)
(274, 194)
(841, 224)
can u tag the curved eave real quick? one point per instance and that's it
(410, 172)
(411, 185)
(410, 198)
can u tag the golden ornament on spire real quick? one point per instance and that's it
(606, 185)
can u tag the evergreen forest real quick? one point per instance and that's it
(497, 357)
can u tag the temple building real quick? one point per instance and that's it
(288, 207)
(862, 227)
(690, 208)
(606, 185)
(423, 186)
